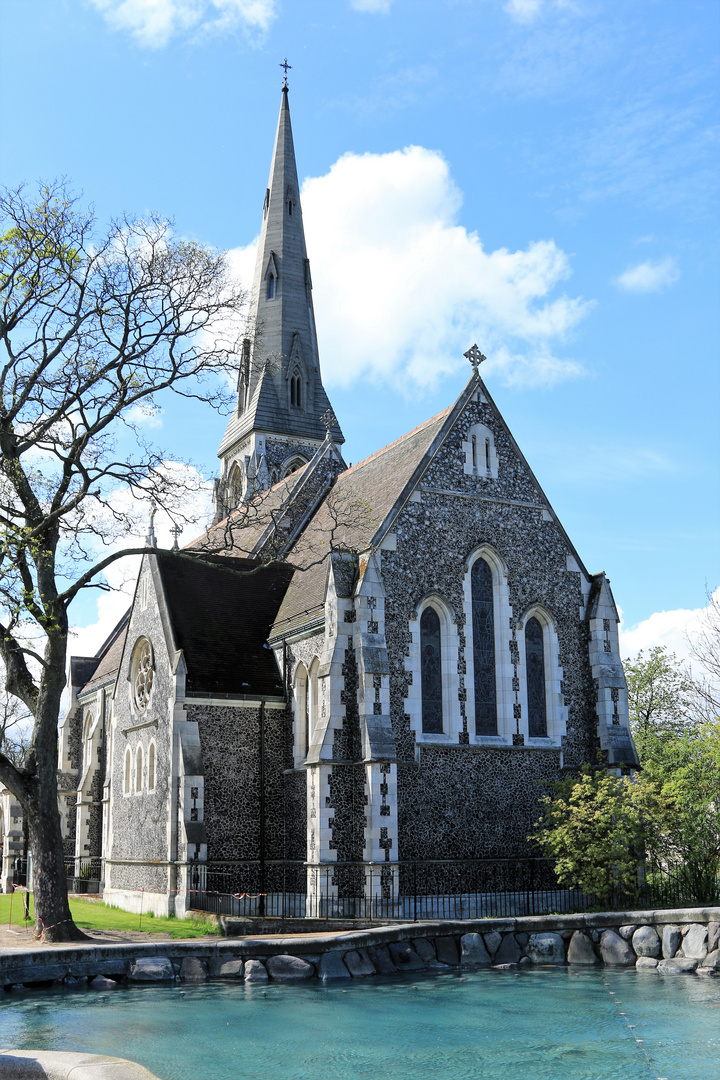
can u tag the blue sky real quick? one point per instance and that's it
(537, 175)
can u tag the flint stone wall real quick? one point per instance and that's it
(490, 811)
(139, 821)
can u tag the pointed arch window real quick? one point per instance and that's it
(271, 287)
(535, 667)
(296, 389)
(314, 701)
(483, 626)
(151, 767)
(128, 770)
(302, 715)
(431, 672)
(138, 769)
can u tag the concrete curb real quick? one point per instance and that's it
(56, 1065)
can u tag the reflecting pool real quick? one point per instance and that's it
(505, 1025)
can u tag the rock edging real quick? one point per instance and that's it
(664, 942)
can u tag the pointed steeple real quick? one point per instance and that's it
(280, 390)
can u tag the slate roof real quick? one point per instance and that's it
(90, 672)
(221, 620)
(350, 516)
(237, 534)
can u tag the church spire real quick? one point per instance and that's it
(281, 398)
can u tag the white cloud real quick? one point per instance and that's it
(649, 276)
(381, 7)
(155, 22)
(401, 290)
(669, 628)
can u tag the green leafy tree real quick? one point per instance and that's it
(593, 828)
(600, 827)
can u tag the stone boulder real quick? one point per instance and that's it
(447, 952)
(546, 948)
(151, 969)
(289, 968)
(255, 971)
(712, 960)
(626, 932)
(359, 963)
(193, 969)
(101, 983)
(227, 969)
(671, 939)
(681, 965)
(646, 963)
(425, 949)
(713, 936)
(473, 951)
(580, 949)
(615, 951)
(509, 951)
(645, 942)
(404, 956)
(381, 958)
(492, 942)
(694, 944)
(331, 966)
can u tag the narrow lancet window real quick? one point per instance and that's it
(295, 390)
(535, 666)
(431, 672)
(488, 469)
(483, 625)
(474, 453)
(271, 287)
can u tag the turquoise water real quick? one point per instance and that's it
(504, 1025)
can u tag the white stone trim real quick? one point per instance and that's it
(484, 463)
(557, 712)
(449, 645)
(504, 670)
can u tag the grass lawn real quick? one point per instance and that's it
(94, 915)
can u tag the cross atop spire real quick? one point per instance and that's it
(287, 67)
(475, 357)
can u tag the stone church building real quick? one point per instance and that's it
(353, 668)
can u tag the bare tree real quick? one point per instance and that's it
(705, 649)
(93, 327)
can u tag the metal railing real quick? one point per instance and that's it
(438, 889)
(84, 875)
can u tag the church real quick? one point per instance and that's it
(353, 669)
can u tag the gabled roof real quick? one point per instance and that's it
(87, 673)
(351, 515)
(220, 618)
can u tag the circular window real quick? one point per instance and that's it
(142, 673)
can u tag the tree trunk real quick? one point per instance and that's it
(53, 921)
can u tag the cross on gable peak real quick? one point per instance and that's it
(475, 357)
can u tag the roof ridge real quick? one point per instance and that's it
(407, 435)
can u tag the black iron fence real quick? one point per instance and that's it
(473, 889)
(84, 875)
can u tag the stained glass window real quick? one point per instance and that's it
(535, 666)
(431, 672)
(483, 625)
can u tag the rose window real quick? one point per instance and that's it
(142, 674)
